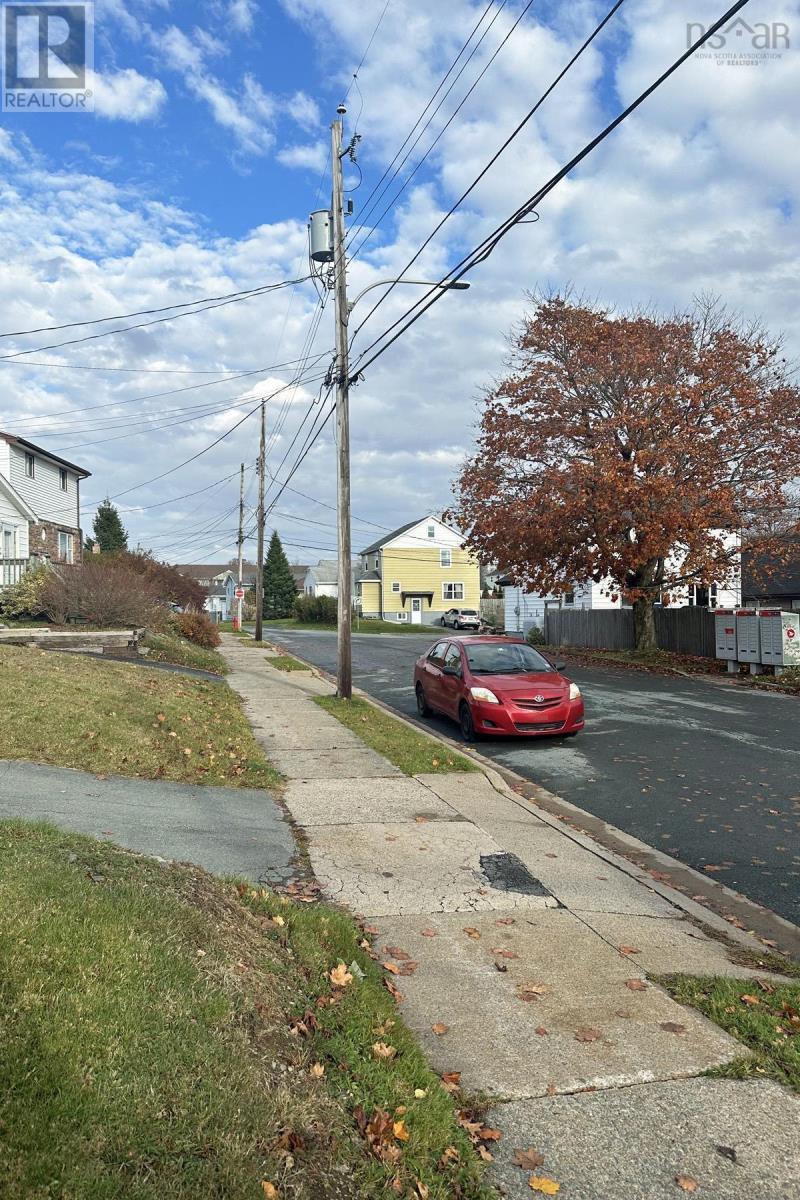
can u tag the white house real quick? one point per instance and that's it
(39, 507)
(323, 579)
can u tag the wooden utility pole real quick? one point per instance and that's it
(262, 465)
(344, 674)
(239, 584)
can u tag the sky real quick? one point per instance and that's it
(206, 152)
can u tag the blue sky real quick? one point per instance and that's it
(196, 174)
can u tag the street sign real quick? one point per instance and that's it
(239, 593)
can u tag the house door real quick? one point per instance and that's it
(416, 611)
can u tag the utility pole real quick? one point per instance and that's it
(344, 674)
(262, 465)
(238, 621)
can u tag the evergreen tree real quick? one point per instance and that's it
(109, 532)
(279, 589)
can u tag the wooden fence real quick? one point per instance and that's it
(493, 611)
(12, 570)
(682, 630)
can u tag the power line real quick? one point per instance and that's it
(368, 47)
(485, 248)
(514, 134)
(266, 290)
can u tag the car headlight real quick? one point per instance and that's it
(574, 692)
(480, 693)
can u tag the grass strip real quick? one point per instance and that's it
(122, 719)
(163, 648)
(285, 662)
(412, 752)
(152, 1044)
(762, 1014)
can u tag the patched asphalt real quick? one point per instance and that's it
(706, 772)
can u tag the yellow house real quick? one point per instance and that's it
(417, 573)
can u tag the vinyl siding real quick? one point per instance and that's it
(12, 518)
(418, 569)
(370, 596)
(43, 493)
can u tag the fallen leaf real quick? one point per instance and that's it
(540, 1030)
(484, 1154)
(451, 1081)
(673, 1027)
(636, 985)
(629, 950)
(490, 1135)
(422, 820)
(391, 967)
(439, 1028)
(429, 933)
(381, 1051)
(373, 929)
(423, 1189)
(269, 1190)
(528, 1160)
(587, 1034)
(393, 991)
(472, 933)
(316, 1070)
(420, 1093)
(710, 867)
(408, 968)
(396, 952)
(532, 991)
(751, 1000)
(505, 921)
(540, 1183)
(551, 1088)
(400, 1131)
(340, 976)
(501, 953)
(687, 1183)
(278, 921)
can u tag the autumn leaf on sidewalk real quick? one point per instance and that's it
(540, 1183)
(636, 985)
(686, 1183)
(439, 1028)
(472, 933)
(532, 991)
(587, 1034)
(528, 1160)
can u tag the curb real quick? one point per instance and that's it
(761, 924)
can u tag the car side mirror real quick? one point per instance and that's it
(560, 666)
(451, 670)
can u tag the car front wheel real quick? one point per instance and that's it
(466, 722)
(423, 707)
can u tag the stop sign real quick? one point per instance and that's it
(239, 593)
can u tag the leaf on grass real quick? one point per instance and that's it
(340, 976)
(587, 1034)
(528, 1160)
(636, 985)
(420, 1093)
(451, 1081)
(381, 1051)
(439, 1028)
(401, 1131)
(269, 1190)
(687, 1183)
(485, 1154)
(449, 1155)
(423, 1189)
(316, 1070)
(540, 1183)
(751, 1000)
(472, 933)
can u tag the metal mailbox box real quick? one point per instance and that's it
(725, 637)
(780, 638)
(747, 635)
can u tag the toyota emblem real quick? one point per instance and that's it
(538, 699)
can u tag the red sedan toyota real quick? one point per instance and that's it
(494, 685)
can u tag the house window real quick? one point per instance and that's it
(402, 616)
(65, 544)
(396, 586)
(377, 563)
(30, 466)
(62, 478)
(431, 531)
(445, 558)
(452, 591)
(8, 543)
(569, 599)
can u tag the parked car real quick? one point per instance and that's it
(493, 685)
(462, 618)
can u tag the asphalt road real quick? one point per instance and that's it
(708, 773)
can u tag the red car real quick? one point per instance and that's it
(494, 685)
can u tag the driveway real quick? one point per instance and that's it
(706, 772)
(229, 831)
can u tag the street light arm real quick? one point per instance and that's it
(457, 286)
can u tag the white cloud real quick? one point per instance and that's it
(310, 158)
(242, 14)
(127, 96)
(303, 111)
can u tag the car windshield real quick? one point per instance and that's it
(468, 612)
(505, 658)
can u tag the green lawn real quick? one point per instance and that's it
(360, 626)
(763, 1015)
(284, 662)
(412, 752)
(165, 1036)
(123, 719)
(177, 650)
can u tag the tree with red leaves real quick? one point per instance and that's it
(633, 449)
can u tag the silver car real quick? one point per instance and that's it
(462, 618)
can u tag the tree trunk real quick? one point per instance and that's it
(644, 623)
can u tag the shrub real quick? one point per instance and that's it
(316, 609)
(535, 636)
(24, 598)
(102, 590)
(198, 627)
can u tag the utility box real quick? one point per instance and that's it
(725, 636)
(748, 638)
(320, 236)
(780, 638)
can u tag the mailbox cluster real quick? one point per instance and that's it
(760, 637)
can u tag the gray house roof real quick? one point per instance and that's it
(387, 537)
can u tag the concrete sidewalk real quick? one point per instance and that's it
(532, 953)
